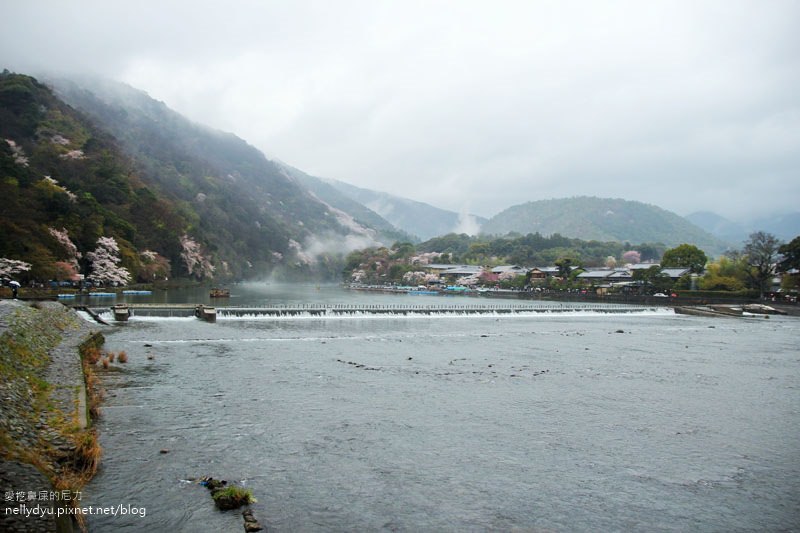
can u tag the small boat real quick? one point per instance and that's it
(220, 293)
(139, 293)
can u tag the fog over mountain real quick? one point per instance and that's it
(468, 106)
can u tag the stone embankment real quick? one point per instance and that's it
(729, 310)
(48, 449)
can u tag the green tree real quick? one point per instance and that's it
(791, 255)
(565, 266)
(722, 275)
(685, 256)
(653, 277)
(761, 251)
(402, 250)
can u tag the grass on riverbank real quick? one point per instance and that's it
(37, 429)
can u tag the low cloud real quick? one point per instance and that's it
(684, 105)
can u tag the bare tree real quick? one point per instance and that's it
(761, 251)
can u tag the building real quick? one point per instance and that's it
(510, 269)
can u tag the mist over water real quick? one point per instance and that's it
(447, 423)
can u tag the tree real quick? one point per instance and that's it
(65, 271)
(722, 275)
(652, 277)
(105, 263)
(12, 266)
(790, 264)
(565, 266)
(685, 256)
(62, 237)
(761, 251)
(154, 266)
(197, 263)
(791, 255)
(632, 256)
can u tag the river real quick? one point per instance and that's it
(645, 421)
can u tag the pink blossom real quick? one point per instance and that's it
(12, 266)
(197, 263)
(105, 263)
(62, 236)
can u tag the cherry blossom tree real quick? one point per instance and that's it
(632, 257)
(414, 278)
(12, 266)
(65, 271)
(154, 265)
(197, 263)
(62, 236)
(105, 263)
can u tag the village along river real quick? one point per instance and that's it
(584, 421)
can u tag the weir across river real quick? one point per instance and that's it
(209, 313)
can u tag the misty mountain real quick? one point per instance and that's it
(417, 218)
(602, 219)
(719, 226)
(325, 191)
(147, 176)
(784, 226)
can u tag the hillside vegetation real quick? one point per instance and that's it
(105, 160)
(601, 219)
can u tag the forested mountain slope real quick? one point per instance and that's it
(103, 159)
(602, 219)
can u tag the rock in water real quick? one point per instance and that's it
(250, 522)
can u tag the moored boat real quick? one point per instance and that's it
(220, 293)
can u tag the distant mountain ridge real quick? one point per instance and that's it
(417, 218)
(785, 226)
(718, 226)
(332, 196)
(602, 219)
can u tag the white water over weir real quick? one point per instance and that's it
(345, 310)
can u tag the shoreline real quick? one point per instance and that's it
(48, 447)
(562, 296)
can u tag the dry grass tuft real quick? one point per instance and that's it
(91, 355)
(94, 393)
(122, 357)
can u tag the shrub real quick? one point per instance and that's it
(91, 355)
(232, 497)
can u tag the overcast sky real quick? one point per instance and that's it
(471, 106)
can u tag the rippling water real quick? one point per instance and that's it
(445, 423)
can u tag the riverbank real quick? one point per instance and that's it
(679, 299)
(48, 448)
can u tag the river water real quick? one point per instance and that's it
(541, 422)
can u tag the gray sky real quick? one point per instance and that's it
(471, 106)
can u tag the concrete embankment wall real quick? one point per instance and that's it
(44, 423)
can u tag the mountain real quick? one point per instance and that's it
(417, 218)
(785, 226)
(602, 219)
(118, 163)
(718, 226)
(326, 192)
